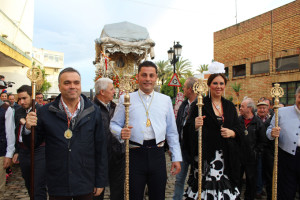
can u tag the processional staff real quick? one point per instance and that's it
(276, 92)
(200, 88)
(126, 84)
(35, 75)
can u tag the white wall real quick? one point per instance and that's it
(13, 9)
(15, 74)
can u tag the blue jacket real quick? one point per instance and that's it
(73, 167)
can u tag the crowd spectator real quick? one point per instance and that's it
(181, 119)
(105, 92)
(7, 141)
(13, 103)
(39, 98)
(252, 146)
(3, 96)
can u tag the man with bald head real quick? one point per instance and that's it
(252, 145)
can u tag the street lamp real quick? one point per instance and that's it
(173, 56)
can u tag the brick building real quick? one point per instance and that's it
(262, 51)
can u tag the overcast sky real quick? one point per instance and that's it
(71, 26)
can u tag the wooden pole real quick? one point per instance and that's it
(35, 75)
(200, 88)
(126, 85)
(276, 92)
(127, 104)
(32, 146)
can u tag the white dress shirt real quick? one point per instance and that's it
(10, 132)
(149, 132)
(162, 119)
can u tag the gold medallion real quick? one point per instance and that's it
(68, 134)
(148, 122)
(246, 132)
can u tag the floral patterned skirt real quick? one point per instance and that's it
(216, 184)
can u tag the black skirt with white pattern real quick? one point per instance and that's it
(216, 184)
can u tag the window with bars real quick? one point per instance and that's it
(289, 89)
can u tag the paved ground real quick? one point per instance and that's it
(16, 190)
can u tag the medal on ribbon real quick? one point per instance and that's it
(68, 133)
(148, 122)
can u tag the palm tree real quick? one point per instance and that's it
(163, 70)
(202, 68)
(183, 68)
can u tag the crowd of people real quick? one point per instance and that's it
(79, 143)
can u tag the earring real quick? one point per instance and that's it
(209, 92)
(224, 92)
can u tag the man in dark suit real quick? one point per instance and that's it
(252, 145)
(76, 156)
(105, 92)
(182, 115)
(22, 153)
(267, 157)
(13, 104)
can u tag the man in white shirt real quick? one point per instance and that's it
(151, 120)
(288, 134)
(7, 141)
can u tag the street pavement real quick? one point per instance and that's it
(15, 188)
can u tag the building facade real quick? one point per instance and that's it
(52, 62)
(16, 33)
(262, 51)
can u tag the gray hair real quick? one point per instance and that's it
(101, 84)
(191, 81)
(250, 104)
(297, 91)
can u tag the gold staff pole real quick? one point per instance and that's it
(200, 88)
(34, 74)
(276, 92)
(126, 85)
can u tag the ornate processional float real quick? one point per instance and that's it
(119, 50)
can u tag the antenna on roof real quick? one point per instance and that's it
(235, 11)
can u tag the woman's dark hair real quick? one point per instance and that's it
(213, 76)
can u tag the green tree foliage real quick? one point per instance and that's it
(202, 68)
(236, 87)
(168, 90)
(230, 98)
(163, 69)
(183, 69)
